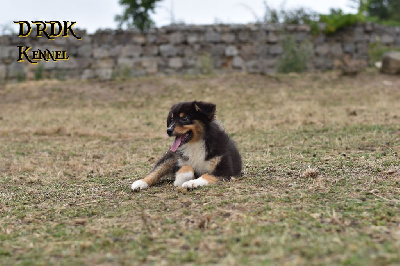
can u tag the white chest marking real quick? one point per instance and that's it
(194, 154)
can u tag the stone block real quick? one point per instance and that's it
(253, 67)
(150, 50)
(72, 63)
(301, 36)
(115, 51)
(188, 52)
(150, 64)
(212, 36)
(336, 49)
(231, 51)
(16, 70)
(176, 38)
(51, 65)
(349, 48)
(139, 39)
(84, 63)
(359, 35)
(391, 63)
(259, 36)
(104, 63)
(243, 36)
(3, 72)
(217, 50)
(192, 38)
(168, 50)
(387, 39)
(262, 51)
(247, 52)
(238, 62)
(151, 38)
(228, 37)
(126, 62)
(175, 63)
(4, 40)
(189, 62)
(362, 48)
(84, 51)
(276, 50)
(87, 74)
(319, 39)
(61, 41)
(272, 38)
(6, 51)
(104, 73)
(322, 49)
(323, 63)
(132, 51)
(101, 52)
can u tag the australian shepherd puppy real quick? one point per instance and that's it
(201, 154)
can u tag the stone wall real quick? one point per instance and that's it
(189, 49)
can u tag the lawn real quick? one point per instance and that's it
(320, 183)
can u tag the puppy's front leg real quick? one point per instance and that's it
(184, 174)
(163, 167)
(203, 180)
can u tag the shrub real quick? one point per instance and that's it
(376, 50)
(39, 71)
(206, 64)
(299, 15)
(295, 57)
(337, 20)
(121, 73)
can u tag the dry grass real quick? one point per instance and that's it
(321, 179)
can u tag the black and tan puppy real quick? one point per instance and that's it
(201, 154)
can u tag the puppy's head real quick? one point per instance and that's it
(186, 121)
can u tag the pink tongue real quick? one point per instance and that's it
(176, 143)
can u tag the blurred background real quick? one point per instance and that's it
(93, 15)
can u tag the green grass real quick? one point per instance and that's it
(320, 184)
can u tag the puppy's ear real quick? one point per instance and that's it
(208, 109)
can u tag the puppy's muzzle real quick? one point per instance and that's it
(170, 129)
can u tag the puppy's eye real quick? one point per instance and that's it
(185, 119)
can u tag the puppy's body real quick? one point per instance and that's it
(202, 152)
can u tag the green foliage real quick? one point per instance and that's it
(21, 77)
(121, 73)
(337, 20)
(206, 64)
(60, 74)
(295, 57)
(388, 22)
(384, 9)
(292, 16)
(39, 71)
(376, 51)
(333, 21)
(136, 14)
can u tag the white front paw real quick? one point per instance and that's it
(139, 185)
(182, 178)
(195, 183)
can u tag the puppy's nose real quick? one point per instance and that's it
(170, 131)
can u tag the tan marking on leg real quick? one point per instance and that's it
(185, 169)
(158, 173)
(210, 178)
(181, 115)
